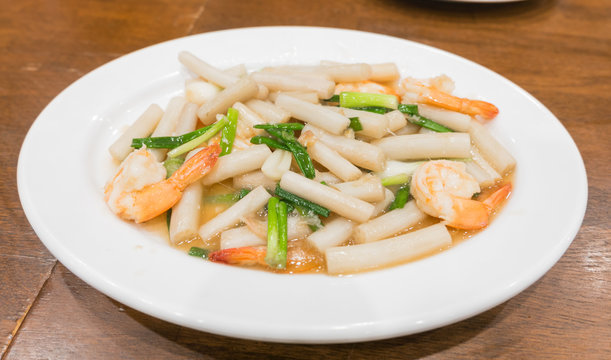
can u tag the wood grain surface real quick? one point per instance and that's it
(558, 50)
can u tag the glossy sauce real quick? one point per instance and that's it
(303, 258)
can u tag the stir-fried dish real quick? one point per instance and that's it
(335, 168)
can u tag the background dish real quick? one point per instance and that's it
(63, 201)
(482, 1)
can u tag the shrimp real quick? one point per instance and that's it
(246, 256)
(139, 190)
(432, 95)
(366, 87)
(297, 259)
(444, 189)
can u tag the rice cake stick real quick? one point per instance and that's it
(342, 204)
(425, 146)
(243, 90)
(389, 224)
(250, 203)
(317, 115)
(237, 163)
(142, 127)
(350, 259)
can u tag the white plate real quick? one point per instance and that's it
(64, 164)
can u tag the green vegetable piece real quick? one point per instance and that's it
(351, 99)
(284, 135)
(374, 109)
(300, 153)
(299, 201)
(395, 180)
(401, 198)
(241, 194)
(199, 252)
(228, 133)
(222, 198)
(272, 231)
(172, 164)
(188, 146)
(428, 124)
(333, 99)
(310, 216)
(227, 198)
(277, 228)
(411, 110)
(272, 143)
(282, 210)
(355, 124)
(168, 142)
(280, 126)
(290, 207)
(302, 158)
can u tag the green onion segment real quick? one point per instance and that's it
(188, 146)
(168, 142)
(228, 133)
(277, 229)
(299, 201)
(351, 99)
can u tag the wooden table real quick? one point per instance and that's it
(558, 50)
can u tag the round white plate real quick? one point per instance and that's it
(64, 164)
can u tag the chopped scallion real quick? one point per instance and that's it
(188, 146)
(228, 133)
(312, 219)
(199, 252)
(300, 153)
(277, 228)
(168, 142)
(411, 110)
(395, 180)
(401, 198)
(373, 109)
(297, 200)
(280, 126)
(172, 164)
(227, 198)
(272, 143)
(350, 99)
(332, 99)
(355, 124)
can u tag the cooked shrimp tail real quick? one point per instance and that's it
(443, 189)
(462, 105)
(469, 214)
(196, 167)
(155, 199)
(246, 256)
(297, 259)
(146, 202)
(472, 214)
(494, 200)
(433, 96)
